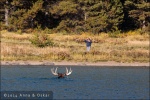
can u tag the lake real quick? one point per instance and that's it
(85, 82)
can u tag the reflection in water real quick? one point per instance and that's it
(84, 83)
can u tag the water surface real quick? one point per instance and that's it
(85, 82)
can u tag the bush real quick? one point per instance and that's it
(48, 31)
(115, 34)
(63, 55)
(41, 40)
(19, 31)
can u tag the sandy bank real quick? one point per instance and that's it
(109, 63)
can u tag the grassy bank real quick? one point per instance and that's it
(126, 47)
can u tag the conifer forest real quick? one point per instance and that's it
(94, 16)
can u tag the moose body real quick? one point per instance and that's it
(61, 75)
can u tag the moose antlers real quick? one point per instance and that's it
(68, 72)
(54, 72)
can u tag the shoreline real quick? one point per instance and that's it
(63, 63)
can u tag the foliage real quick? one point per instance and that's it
(115, 34)
(41, 40)
(106, 16)
(137, 13)
(75, 16)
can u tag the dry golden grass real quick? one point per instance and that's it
(129, 47)
(10, 35)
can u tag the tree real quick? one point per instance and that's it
(102, 16)
(138, 12)
(4, 11)
(67, 13)
(88, 15)
(75, 15)
(24, 12)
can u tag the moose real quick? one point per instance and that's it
(61, 75)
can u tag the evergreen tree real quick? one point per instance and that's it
(2, 11)
(5, 11)
(24, 13)
(67, 13)
(88, 15)
(138, 12)
(75, 15)
(102, 16)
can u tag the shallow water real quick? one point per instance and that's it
(84, 82)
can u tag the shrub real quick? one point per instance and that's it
(63, 55)
(41, 40)
(115, 34)
(19, 31)
(48, 31)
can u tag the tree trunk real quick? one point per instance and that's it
(85, 16)
(143, 26)
(6, 13)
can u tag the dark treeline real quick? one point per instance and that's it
(75, 15)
